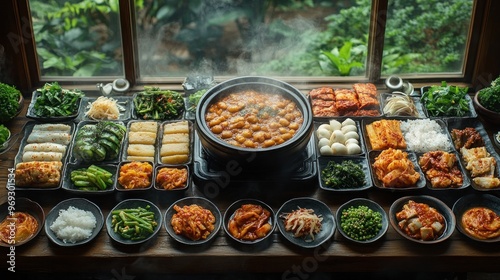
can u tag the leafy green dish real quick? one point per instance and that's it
(52, 101)
(490, 97)
(446, 101)
(156, 104)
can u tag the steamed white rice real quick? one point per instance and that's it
(73, 225)
(424, 135)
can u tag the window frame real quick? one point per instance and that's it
(480, 58)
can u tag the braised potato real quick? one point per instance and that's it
(254, 120)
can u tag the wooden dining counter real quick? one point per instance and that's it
(164, 255)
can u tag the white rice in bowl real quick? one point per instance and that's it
(425, 135)
(73, 225)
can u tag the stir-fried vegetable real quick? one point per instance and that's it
(54, 101)
(134, 223)
(446, 100)
(345, 175)
(92, 178)
(490, 97)
(156, 104)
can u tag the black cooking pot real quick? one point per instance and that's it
(262, 158)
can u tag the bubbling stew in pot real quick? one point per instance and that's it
(253, 119)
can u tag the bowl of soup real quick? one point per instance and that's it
(255, 121)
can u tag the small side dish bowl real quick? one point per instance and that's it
(27, 206)
(372, 207)
(496, 139)
(441, 207)
(133, 204)
(202, 202)
(486, 114)
(322, 210)
(230, 215)
(463, 204)
(71, 223)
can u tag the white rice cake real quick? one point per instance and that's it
(142, 137)
(176, 127)
(175, 159)
(42, 156)
(144, 126)
(59, 127)
(175, 138)
(174, 149)
(141, 150)
(42, 136)
(139, 158)
(45, 147)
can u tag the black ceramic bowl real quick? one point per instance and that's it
(202, 202)
(230, 212)
(356, 202)
(475, 200)
(28, 206)
(320, 209)
(263, 157)
(79, 203)
(441, 207)
(133, 203)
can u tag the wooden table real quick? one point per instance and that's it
(164, 255)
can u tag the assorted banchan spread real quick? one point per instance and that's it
(349, 123)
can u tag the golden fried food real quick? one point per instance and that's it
(394, 169)
(250, 222)
(170, 178)
(481, 222)
(441, 169)
(193, 221)
(420, 221)
(43, 174)
(135, 175)
(25, 226)
(385, 134)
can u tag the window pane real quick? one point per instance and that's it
(77, 37)
(265, 37)
(426, 36)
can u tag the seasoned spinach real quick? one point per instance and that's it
(446, 100)
(54, 101)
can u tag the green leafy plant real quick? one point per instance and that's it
(342, 59)
(489, 97)
(9, 102)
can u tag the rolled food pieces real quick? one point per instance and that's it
(42, 157)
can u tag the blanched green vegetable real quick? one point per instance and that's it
(156, 104)
(134, 223)
(54, 101)
(490, 97)
(345, 175)
(360, 222)
(9, 101)
(446, 100)
(194, 99)
(99, 142)
(4, 134)
(92, 178)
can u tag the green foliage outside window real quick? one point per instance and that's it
(82, 37)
